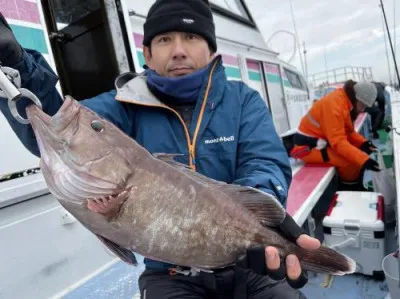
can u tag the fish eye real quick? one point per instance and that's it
(97, 125)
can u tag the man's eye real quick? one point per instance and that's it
(191, 36)
(163, 39)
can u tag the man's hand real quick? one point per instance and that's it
(108, 207)
(10, 50)
(295, 276)
(368, 147)
(266, 261)
(372, 165)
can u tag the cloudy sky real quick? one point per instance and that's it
(346, 32)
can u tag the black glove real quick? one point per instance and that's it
(10, 49)
(366, 147)
(372, 165)
(254, 258)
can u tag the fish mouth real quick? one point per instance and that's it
(66, 181)
(36, 114)
(46, 127)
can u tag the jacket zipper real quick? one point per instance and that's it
(191, 144)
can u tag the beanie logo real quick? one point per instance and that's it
(188, 21)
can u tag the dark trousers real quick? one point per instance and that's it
(377, 118)
(161, 285)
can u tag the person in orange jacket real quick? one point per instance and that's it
(326, 133)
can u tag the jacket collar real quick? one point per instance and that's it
(347, 103)
(132, 87)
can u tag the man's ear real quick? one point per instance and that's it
(147, 55)
(212, 55)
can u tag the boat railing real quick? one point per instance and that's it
(340, 75)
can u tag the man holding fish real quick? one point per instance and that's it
(183, 105)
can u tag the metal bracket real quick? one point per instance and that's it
(10, 88)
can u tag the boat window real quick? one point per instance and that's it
(295, 80)
(70, 11)
(234, 9)
(303, 82)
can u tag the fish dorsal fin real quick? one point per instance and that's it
(265, 206)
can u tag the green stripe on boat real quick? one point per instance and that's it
(273, 78)
(140, 55)
(254, 76)
(31, 38)
(232, 72)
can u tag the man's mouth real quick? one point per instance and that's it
(181, 70)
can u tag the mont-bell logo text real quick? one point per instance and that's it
(188, 21)
(220, 139)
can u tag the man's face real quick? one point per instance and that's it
(175, 54)
(360, 107)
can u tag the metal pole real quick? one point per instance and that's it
(305, 60)
(386, 52)
(297, 37)
(390, 42)
(394, 30)
(326, 64)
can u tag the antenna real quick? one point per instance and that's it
(390, 42)
(326, 65)
(394, 32)
(305, 60)
(297, 36)
(294, 42)
(387, 54)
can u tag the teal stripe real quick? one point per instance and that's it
(232, 72)
(254, 76)
(286, 83)
(31, 38)
(140, 55)
(274, 78)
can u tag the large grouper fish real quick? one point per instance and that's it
(167, 211)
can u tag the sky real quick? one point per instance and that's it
(336, 33)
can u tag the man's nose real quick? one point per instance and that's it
(179, 51)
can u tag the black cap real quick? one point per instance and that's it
(191, 16)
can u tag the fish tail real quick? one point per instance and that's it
(325, 260)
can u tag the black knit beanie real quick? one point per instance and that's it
(192, 16)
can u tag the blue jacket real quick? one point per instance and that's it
(232, 137)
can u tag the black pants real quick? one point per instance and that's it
(161, 285)
(377, 118)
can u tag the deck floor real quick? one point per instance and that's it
(121, 282)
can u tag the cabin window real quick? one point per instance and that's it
(295, 80)
(70, 11)
(234, 9)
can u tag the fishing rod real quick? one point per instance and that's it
(390, 42)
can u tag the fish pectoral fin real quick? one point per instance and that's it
(266, 207)
(124, 254)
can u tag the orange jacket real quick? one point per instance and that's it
(329, 119)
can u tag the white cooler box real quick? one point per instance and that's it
(354, 226)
